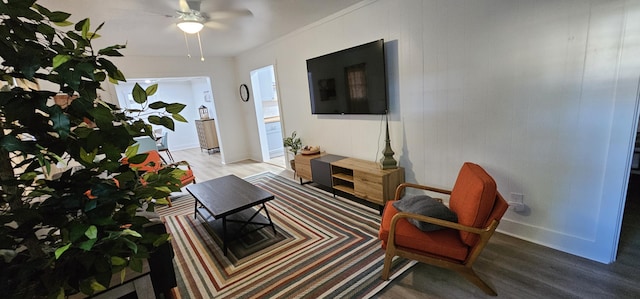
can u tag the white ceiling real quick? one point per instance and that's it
(146, 29)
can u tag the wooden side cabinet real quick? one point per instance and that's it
(365, 179)
(207, 135)
(303, 166)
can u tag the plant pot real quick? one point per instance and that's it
(293, 164)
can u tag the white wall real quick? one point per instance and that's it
(540, 93)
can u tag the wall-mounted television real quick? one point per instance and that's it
(350, 81)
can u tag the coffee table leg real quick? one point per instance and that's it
(269, 217)
(195, 211)
(224, 235)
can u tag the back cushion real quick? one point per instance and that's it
(152, 163)
(472, 199)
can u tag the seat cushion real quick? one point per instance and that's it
(187, 178)
(444, 242)
(472, 199)
(427, 206)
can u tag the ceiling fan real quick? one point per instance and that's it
(191, 20)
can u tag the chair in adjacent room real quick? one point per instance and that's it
(163, 146)
(454, 245)
(154, 162)
(145, 144)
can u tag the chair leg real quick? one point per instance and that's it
(471, 276)
(388, 257)
(169, 201)
(163, 160)
(170, 157)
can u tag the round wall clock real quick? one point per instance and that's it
(244, 92)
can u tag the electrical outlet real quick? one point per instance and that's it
(517, 202)
(517, 197)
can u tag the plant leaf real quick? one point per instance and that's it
(60, 59)
(163, 189)
(27, 176)
(167, 122)
(63, 23)
(92, 204)
(154, 119)
(118, 261)
(175, 107)
(60, 294)
(129, 232)
(97, 287)
(76, 231)
(161, 240)
(131, 150)
(61, 250)
(88, 244)
(131, 245)
(139, 95)
(91, 232)
(86, 25)
(179, 118)
(61, 123)
(136, 265)
(59, 17)
(158, 105)
(11, 143)
(88, 156)
(151, 90)
(162, 201)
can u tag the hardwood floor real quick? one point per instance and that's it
(208, 166)
(515, 268)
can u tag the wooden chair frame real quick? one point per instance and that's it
(176, 165)
(463, 268)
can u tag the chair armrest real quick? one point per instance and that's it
(402, 186)
(440, 222)
(179, 163)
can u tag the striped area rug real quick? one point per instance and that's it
(330, 250)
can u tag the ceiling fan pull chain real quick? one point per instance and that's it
(186, 42)
(200, 44)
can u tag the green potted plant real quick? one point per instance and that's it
(293, 145)
(73, 232)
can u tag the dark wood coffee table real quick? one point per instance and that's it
(228, 195)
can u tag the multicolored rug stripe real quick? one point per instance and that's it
(331, 251)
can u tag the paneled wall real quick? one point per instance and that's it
(540, 93)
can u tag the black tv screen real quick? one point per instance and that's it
(350, 81)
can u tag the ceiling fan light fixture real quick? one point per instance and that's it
(190, 27)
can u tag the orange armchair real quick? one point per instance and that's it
(154, 162)
(479, 207)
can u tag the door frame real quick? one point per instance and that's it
(257, 96)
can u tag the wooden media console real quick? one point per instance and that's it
(360, 178)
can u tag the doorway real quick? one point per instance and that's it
(629, 238)
(263, 84)
(630, 231)
(194, 92)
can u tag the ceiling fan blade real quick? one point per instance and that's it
(194, 5)
(229, 14)
(184, 6)
(216, 25)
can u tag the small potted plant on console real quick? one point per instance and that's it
(293, 144)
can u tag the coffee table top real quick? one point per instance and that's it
(227, 195)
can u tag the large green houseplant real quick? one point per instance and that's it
(72, 233)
